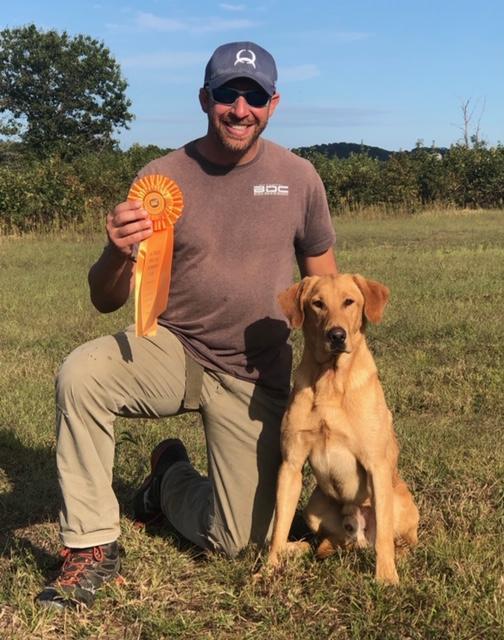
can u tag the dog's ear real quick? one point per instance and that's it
(289, 300)
(292, 301)
(326, 548)
(376, 296)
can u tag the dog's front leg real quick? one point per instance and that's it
(381, 479)
(290, 482)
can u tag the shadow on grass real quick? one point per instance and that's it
(33, 498)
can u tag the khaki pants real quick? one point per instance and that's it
(123, 375)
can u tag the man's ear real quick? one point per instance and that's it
(376, 296)
(273, 104)
(292, 301)
(204, 99)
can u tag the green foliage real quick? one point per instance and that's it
(60, 93)
(460, 177)
(54, 193)
(50, 192)
(475, 176)
(399, 181)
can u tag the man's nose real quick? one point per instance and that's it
(240, 107)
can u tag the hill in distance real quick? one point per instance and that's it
(343, 150)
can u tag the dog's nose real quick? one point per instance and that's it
(349, 528)
(336, 336)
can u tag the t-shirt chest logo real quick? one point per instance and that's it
(271, 190)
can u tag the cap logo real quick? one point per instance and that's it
(242, 58)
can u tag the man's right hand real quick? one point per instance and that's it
(112, 277)
(127, 225)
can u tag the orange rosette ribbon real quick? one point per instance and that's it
(163, 201)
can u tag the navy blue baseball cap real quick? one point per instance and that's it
(241, 60)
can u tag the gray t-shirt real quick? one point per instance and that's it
(235, 245)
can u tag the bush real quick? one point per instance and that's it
(462, 177)
(53, 193)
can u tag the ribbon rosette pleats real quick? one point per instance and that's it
(163, 201)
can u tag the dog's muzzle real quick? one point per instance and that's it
(337, 339)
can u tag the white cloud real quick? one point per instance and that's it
(156, 23)
(331, 35)
(166, 60)
(216, 24)
(232, 7)
(301, 72)
(151, 22)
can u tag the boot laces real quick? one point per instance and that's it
(76, 562)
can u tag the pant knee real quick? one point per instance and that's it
(226, 542)
(225, 545)
(84, 406)
(78, 378)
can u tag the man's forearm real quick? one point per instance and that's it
(110, 280)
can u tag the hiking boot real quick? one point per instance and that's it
(147, 500)
(83, 572)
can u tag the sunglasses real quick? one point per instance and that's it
(255, 98)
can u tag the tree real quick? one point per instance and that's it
(468, 112)
(60, 93)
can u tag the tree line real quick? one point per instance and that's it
(55, 192)
(39, 193)
(463, 176)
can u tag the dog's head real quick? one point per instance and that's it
(333, 310)
(354, 527)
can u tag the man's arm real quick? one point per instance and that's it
(111, 278)
(325, 263)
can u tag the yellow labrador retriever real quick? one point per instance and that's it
(338, 419)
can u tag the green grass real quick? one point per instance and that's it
(441, 358)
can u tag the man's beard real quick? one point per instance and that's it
(237, 146)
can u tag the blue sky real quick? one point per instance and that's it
(386, 73)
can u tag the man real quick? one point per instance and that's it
(250, 208)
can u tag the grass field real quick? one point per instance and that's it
(440, 352)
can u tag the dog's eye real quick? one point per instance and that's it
(348, 302)
(319, 304)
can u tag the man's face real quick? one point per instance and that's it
(237, 126)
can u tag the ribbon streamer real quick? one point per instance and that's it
(163, 201)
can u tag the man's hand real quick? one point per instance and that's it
(112, 277)
(127, 225)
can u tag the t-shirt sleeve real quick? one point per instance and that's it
(315, 233)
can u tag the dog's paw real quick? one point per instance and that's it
(269, 568)
(387, 575)
(273, 560)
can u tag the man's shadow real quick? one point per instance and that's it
(272, 369)
(32, 497)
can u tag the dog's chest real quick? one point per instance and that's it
(339, 474)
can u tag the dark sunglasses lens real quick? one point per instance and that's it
(257, 98)
(225, 95)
